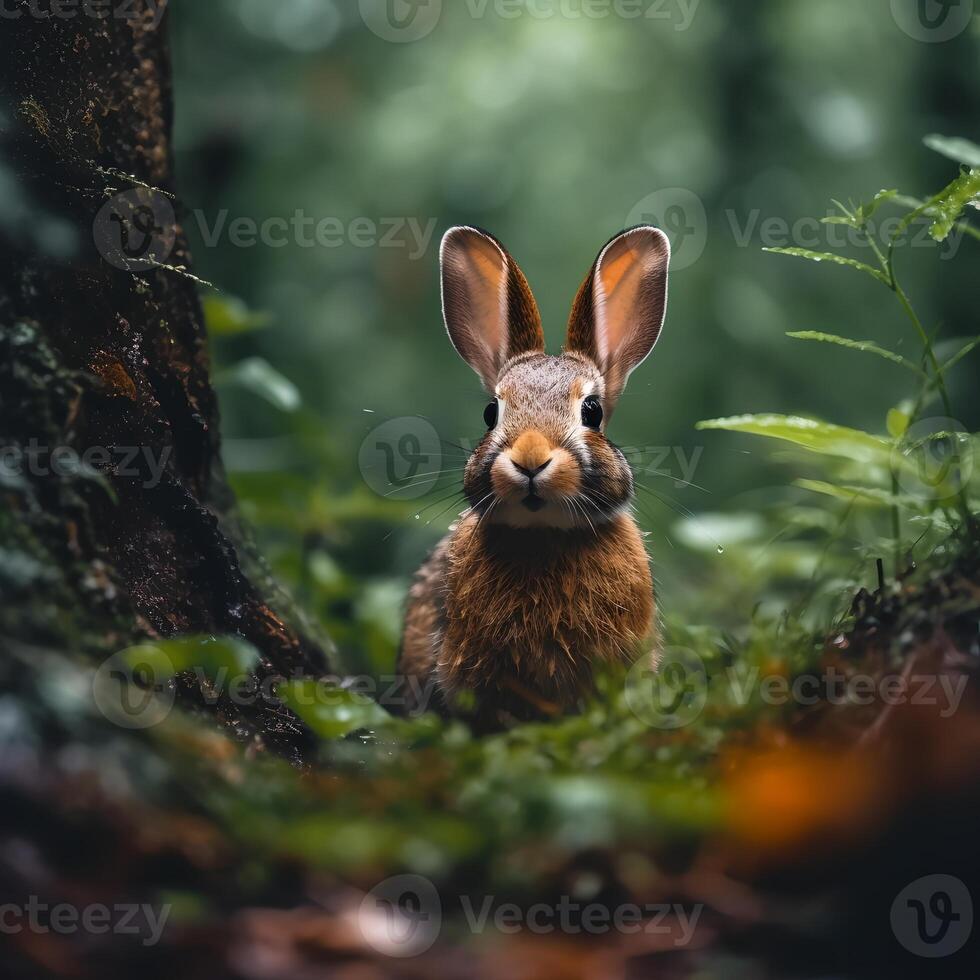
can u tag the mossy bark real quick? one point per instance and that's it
(116, 521)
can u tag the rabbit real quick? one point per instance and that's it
(545, 574)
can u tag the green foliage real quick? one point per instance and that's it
(331, 711)
(903, 455)
(870, 496)
(426, 795)
(258, 376)
(213, 656)
(949, 203)
(818, 437)
(227, 316)
(956, 148)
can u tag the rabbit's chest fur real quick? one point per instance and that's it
(531, 611)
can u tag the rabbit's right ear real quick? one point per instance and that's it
(619, 311)
(487, 304)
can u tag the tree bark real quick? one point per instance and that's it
(116, 520)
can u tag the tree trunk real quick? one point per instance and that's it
(116, 521)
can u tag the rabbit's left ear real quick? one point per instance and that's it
(620, 308)
(490, 313)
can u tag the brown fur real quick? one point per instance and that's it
(424, 620)
(521, 616)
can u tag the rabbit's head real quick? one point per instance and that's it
(545, 460)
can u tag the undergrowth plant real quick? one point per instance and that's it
(921, 471)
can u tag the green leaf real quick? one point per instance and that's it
(210, 655)
(870, 496)
(956, 148)
(950, 202)
(227, 316)
(850, 217)
(262, 379)
(332, 711)
(960, 354)
(867, 346)
(867, 210)
(709, 531)
(897, 421)
(805, 253)
(923, 207)
(817, 437)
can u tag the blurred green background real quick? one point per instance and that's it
(724, 122)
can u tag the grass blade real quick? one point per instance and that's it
(805, 253)
(867, 346)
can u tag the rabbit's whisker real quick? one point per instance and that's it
(409, 486)
(436, 503)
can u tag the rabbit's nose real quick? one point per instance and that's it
(531, 453)
(531, 474)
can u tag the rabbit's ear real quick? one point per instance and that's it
(620, 308)
(487, 304)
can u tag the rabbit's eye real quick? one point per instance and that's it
(592, 412)
(490, 414)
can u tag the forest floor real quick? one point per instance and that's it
(765, 827)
